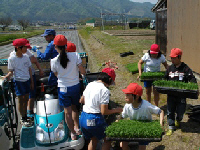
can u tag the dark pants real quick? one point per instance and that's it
(175, 106)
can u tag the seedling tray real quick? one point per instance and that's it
(152, 76)
(133, 130)
(184, 93)
(135, 139)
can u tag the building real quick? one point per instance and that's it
(90, 23)
(182, 29)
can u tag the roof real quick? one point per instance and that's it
(91, 21)
(160, 4)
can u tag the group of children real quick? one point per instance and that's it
(66, 67)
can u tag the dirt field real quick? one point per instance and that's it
(99, 50)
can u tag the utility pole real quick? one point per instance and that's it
(102, 20)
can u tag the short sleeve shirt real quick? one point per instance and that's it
(95, 94)
(143, 112)
(30, 54)
(20, 66)
(152, 64)
(68, 76)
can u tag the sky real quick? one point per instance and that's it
(141, 1)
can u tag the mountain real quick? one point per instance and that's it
(71, 10)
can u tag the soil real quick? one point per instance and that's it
(185, 138)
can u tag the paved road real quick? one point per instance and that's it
(40, 41)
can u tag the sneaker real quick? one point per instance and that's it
(26, 123)
(177, 124)
(73, 136)
(169, 132)
(78, 131)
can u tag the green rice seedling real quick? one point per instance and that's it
(133, 67)
(176, 84)
(134, 129)
(152, 75)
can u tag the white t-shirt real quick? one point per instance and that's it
(20, 66)
(95, 94)
(70, 75)
(152, 64)
(30, 54)
(143, 112)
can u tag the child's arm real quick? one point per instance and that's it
(31, 77)
(106, 111)
(165, 64)
(10, 73)
(162, 118)
(82, 100)
(140, 68)
(34, 61)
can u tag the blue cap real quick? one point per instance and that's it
(49, 32)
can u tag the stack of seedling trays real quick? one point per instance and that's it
(137, 131)
(194, 113)
(177, 88)
(152, 76)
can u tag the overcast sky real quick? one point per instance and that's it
(141, 1)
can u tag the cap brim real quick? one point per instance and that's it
(152, 52)
(126, 91)
(28, 46)
(44, 34)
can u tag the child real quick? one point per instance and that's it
(178, 71)
(19, 65)
(152, 59)
(33, 60)
(95, 99)
(66, 67)
(71, 47)
(138, 109)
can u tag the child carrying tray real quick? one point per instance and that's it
(138, 109)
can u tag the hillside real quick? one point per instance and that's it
(71, 10)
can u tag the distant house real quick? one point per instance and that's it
(90, 23)
(182, 28)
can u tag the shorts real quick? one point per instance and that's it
(22, 88)
(69, 95)
(92, 125)
(148, 84)
(33, 92)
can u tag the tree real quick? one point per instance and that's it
(5, 22)
(24, 23)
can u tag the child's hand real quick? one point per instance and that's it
(41, 73)
(138, 78)
(6, 78)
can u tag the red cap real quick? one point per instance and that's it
(155, 49)
(175, 52)
(133, 88)
(110, 72)
(71, 47)
(60, 40)
(22, 42)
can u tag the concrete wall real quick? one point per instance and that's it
(183, 30)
